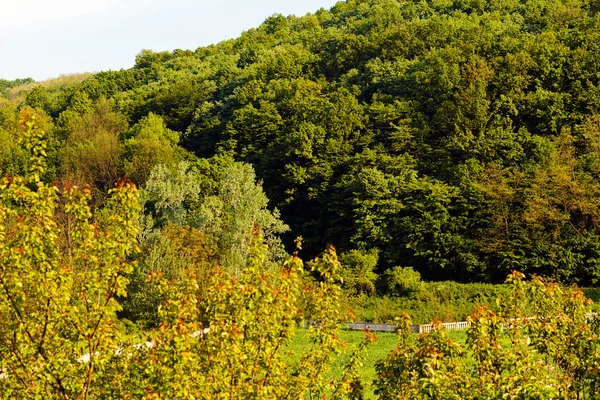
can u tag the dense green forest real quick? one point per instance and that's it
(153, 221)
(456, 139)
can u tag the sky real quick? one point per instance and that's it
(42, 39)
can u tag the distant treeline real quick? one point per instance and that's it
(4, 84)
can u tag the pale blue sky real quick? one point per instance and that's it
(46, 38)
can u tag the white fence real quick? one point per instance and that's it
(380, 327)
(450, 326)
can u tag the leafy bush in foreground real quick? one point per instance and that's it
(541, 344)
(62, 268)
(59, 282)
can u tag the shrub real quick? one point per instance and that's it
(358, 270)
(403, 281)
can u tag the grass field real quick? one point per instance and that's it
(386, 342)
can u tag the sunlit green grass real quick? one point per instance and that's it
(386, 342)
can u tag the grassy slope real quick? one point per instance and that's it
(18, 93)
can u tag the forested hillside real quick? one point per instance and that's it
(460, 138)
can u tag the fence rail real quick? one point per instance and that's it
(381, 327)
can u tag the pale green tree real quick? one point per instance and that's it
(170, 188)
(231, 215)
(226, 206)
